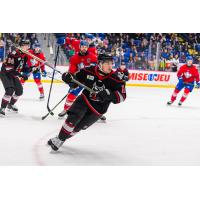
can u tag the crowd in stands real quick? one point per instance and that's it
(146, 51)
(9, 38)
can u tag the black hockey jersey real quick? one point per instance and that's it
(15, 62)
(92, 77)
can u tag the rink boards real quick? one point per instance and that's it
(137, 78)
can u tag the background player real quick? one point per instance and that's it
(89, 107)
(122, 72)
(15, 62)
(37, 68)
(187, 75)
(80, 60)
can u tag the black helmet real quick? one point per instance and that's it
(105, 57)
(24, 42)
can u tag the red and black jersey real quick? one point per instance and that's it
(122, 74)
(93, 78)
(15, 62)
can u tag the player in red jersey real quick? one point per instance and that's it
(187, 75)
(79, 61)
(37, 68)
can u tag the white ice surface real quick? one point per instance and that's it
(140, 131)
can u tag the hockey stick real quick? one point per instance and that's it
(50, 111)
(56, 58)
(50, 66)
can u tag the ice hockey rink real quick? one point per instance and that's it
(140, 131)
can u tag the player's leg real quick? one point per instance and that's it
(187, 90)
(75, 115)
(37, 79)
(71, 97)
(8, 85)
(18, 92)
(177, 89)
(89, 119)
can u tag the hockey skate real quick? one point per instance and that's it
(41, 97)
(12, 108)
(62, 114)
(102, 119)
(2, 112)
(169, 103)
(180, 103)
(55, 143)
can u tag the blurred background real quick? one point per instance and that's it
(142, 51)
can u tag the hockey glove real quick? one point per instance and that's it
(67, 77)
(24, 76)
(197, 85)
(44, 73)
(104, 95)
(61, 40)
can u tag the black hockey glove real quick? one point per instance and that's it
(67, 77)
(24, 76)
(104, 95)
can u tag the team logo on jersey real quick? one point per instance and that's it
(120, 75)
(88, 60)
(97, 87)
(187, 74)
(90, 77)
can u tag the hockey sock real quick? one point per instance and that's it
(185, 94)
(39, 85)
(14, 99)
(174, 95)
(66, 131)
(5, 100)
(69, 101)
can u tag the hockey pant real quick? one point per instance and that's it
(80, 117)
(13, 89)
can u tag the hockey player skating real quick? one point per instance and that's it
(15, 62)
(36, 68)
(80, 60)
(89, 107)
(187, 75)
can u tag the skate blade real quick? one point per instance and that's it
(2, 116)
(101, 121)
(12, 111)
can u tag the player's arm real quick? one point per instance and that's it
(73, 65)
(126, 75)
(80, 76)
(115, 96)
